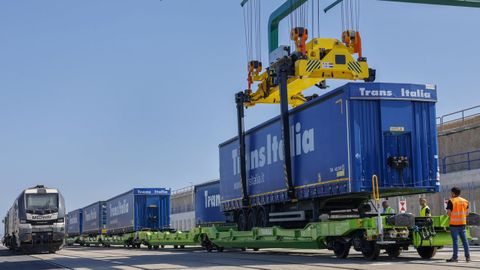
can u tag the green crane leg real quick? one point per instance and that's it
(279, 14)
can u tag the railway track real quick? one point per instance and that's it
(141, 259)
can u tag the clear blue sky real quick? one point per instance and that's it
(97, 97)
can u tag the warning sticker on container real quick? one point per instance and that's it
(327, 65)
(397, 129)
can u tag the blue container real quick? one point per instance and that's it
(94, 218)
(74, 223)
(138, 209)
(207, 203)
(338, 142)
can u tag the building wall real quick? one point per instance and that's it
(182, 215)
(182, 221)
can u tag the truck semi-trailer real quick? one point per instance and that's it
(339, 141)
(94, 218)
(74, 223)
(138, 209)
(207, 204)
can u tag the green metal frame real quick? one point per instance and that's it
(314, 236)
(459, 3)
(291, 5)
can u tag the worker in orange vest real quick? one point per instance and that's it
(457, 208)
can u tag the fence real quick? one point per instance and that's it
(460, 162)
(461, 116)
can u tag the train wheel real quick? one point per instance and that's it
(393, 251)
(242, 221)
(341, 249)
(370, 250)
(427, 252)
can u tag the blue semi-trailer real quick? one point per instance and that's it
(74, 223)
(93, 218)
(207, 204)
(338, 142)
(138, 209)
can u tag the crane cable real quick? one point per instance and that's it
(253, 43)
(350, 16)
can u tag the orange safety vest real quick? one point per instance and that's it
(459, 212)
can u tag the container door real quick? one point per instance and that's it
(152, 213)
(397, 158)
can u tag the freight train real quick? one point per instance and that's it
(339, 141)
(36, 221)
(135, 210)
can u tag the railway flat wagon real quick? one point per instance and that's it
(74, 223)
(339, 141)
(207, 203)
(93, 219)
(138, 209)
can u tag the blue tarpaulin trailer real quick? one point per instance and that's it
(94, 217)
(138, 209)
(74, 223)
(207, 203)
(338, 142)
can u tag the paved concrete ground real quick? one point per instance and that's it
(84, 258)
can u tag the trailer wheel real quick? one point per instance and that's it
(341, 249)
(262, 218)
(370, 250)
(242, 221)
(251, 220)
(426, 252)
(393, 251)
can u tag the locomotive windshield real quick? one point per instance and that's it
(43, 203)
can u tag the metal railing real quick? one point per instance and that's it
(458, 115)
(460, 162)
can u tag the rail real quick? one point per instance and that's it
(458, 115)
(460, 162)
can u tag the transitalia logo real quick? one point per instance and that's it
(120, 208)
(73, 220)
(91, 215)
(406, 93)
(212, 200)
(301, 142)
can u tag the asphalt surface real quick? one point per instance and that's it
(85, 258)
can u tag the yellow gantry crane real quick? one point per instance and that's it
(289, 73)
